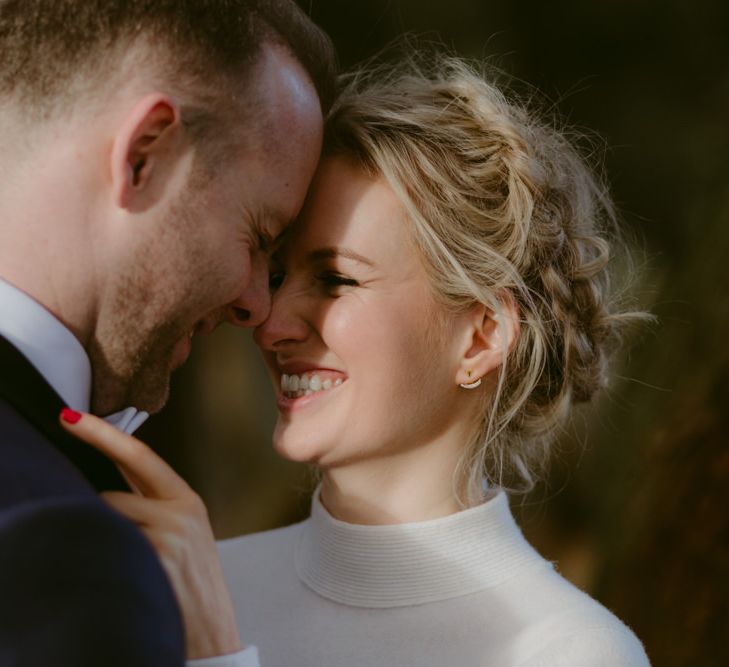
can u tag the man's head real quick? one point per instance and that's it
(54, 53)
(157, 148)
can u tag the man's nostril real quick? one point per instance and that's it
(241, 314)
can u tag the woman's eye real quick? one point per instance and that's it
(332, 280)
(275, 279)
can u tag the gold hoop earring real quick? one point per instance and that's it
(470, 385)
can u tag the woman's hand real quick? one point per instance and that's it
(175, 520)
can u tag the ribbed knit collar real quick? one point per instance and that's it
(414, 563)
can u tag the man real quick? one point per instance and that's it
(149, 153)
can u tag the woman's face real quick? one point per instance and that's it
(362, 357)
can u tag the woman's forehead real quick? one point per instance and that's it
(346, 207)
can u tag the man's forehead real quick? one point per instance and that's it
(279, 94)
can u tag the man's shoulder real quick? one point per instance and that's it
(30, 466)
(69, 534)
(73, 538)
(79, 578)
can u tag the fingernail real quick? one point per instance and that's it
(70, 416)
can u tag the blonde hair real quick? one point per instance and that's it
(502, 206)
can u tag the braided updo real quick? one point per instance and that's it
(502, 206)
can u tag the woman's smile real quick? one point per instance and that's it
(296, 386)
(298, 390)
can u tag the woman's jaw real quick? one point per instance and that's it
(377, 482)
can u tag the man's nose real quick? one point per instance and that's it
(254, 303)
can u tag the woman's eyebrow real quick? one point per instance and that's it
(334, 252)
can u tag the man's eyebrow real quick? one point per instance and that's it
(333, 253)
(279, 241)
(280, 222)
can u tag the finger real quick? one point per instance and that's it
(129, 480)
(149, 473)
(160, 527)
(139, 510)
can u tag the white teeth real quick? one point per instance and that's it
(296, 386)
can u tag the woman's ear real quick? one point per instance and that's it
(146, 134)
(490, 337)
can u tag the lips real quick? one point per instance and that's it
(183, 347)
(181, 351)
(204, 326)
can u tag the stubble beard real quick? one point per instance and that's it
(167, 288)
(131, 356)
(149, 309)
(134, 372)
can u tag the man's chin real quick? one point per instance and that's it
(148, 391)
(124, 378)
(152, 398)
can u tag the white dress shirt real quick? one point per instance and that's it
(60, 358)
(55, 352)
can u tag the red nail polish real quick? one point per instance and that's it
(70, 416)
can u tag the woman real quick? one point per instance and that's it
(438, 308)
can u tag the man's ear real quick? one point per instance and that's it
(489, 337)
(147, 133)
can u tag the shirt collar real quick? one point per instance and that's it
(55, 352)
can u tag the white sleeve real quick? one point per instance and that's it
(248, 657)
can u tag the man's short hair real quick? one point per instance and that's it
(52, 52)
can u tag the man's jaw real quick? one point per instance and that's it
(147, 386)
(183, 347)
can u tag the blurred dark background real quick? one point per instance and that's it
(636, 509)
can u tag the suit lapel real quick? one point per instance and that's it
(26, 390)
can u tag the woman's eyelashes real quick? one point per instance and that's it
(330, 281)
(333, 281)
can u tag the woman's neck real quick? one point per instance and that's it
(415, 485)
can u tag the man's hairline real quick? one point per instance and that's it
(135, 62)
(132, 75)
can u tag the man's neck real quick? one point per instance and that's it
(46, 247)
(54, 352)
(49, 346)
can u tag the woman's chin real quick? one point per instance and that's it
(295, 450)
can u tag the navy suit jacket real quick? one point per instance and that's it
(79, 585)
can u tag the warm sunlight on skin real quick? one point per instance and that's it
(353, 314)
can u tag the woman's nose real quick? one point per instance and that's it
(285, 322)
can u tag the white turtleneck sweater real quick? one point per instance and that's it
(466, 590)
